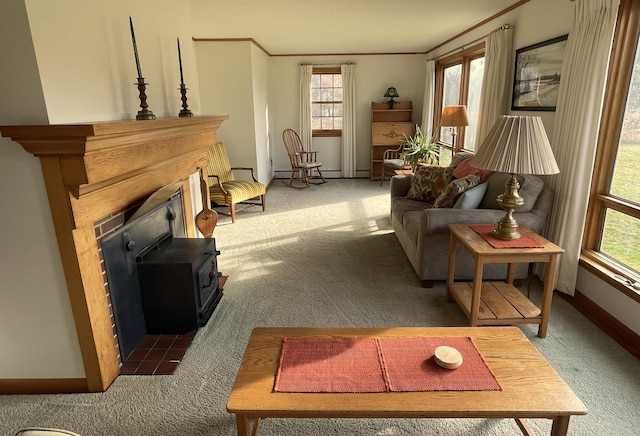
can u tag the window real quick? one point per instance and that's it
(459, 81)
(612, 235)
(326, 102)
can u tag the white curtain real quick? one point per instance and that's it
(306, 72)
(348, 163)
(576, 123)
(494, 96)
(428, 101)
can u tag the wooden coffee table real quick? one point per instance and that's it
(530, 387)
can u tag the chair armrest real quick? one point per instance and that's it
(217, 179)
(245, 169)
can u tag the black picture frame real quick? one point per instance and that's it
(536, 77)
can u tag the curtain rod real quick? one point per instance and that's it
(328, 65)
(462, 47)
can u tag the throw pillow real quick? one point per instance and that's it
(455, 189)
(428, 182)
(471, 199)
(465, 168)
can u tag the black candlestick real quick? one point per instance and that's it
(144, 114)
(184, 112)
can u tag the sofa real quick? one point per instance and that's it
(460, 194)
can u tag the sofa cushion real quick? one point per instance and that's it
(472, 198)
(464, 168)
(530, 188)
(428, 182)
(455, 189)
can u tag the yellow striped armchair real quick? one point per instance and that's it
(224, 189)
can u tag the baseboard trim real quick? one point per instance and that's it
(616, 330)
(43, 386)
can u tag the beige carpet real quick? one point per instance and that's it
(326, 256)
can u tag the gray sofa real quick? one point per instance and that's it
(423, 231)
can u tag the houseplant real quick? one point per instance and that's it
(421, 148)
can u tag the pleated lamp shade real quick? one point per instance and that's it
(517, 144)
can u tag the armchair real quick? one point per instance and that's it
(225, 189)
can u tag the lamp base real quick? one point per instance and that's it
(391, 103)
(510, 200)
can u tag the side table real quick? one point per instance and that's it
(500, 303)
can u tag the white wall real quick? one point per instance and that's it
(68, 61)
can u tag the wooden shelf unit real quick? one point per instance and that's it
(388, 127)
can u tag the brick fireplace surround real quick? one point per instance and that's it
(93, 170)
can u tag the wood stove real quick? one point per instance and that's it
(160, 281)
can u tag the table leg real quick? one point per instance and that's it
(511, 271)
(547, 294)
(475, 295)
(560, 426)
(244, 429)
(242, 424)
(452, 266)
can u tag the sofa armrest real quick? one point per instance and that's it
(400, 185)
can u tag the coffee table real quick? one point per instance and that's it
(530, 387)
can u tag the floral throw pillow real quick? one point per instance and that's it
(455, 189)
(428, 182)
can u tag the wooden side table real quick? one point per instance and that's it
(500, 303)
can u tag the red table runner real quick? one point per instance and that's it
(360, 365)
(486, 231)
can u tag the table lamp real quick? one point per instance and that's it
(454, 116)
(515, 144)
(391, 93)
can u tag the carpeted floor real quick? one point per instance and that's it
(326, 256)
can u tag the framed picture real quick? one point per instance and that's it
(537, 75)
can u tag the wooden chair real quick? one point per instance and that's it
(303, 163)
(392, 161)
(225, 189)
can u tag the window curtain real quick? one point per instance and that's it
(348, 163)
(579, 109)
(428, 100)
(494, 95)
(306, 71)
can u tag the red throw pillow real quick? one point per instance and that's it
(465, 169)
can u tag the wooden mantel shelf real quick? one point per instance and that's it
(92, 170)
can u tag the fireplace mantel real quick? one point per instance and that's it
(90, 171)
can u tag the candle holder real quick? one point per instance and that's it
(184, 112)
(144, 114)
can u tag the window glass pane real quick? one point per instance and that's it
(451, 89)
(450, 96)
(621, 237)
(326, 94)
(625, 173)
(316, 110)
(326, 80)
(315, 80)
(337, 109)
(316, 123)
(337, 123)
(316, 94)
(473, 102)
